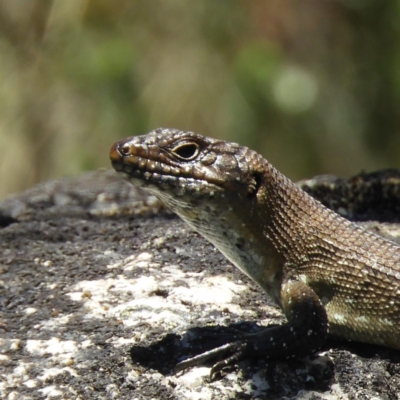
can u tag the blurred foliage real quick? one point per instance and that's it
(313, 85)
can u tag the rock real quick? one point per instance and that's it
(103, 290)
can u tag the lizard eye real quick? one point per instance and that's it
(125, 149)
(187, 151)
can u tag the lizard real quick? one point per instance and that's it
(327, 274)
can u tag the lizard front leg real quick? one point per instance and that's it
(304, 333)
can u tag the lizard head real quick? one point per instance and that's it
(213, 185)
(184, 167)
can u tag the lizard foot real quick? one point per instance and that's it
(303, 334)
(268, 343)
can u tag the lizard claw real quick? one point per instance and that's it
(237, 348)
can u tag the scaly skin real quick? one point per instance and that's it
(326, 273)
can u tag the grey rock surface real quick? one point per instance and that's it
(102, 290)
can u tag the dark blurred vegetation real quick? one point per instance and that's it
(313, 85)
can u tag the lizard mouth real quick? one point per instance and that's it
(134, 164)
(139, 160)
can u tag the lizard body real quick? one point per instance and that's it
(327, 274)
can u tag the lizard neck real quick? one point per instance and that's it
(298, 223)
(290, 213)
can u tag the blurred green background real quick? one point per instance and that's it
(313, 85)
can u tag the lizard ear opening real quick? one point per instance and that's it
(254, 184)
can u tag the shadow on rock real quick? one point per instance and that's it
(312, 373)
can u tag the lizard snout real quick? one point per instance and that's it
(114, 153)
